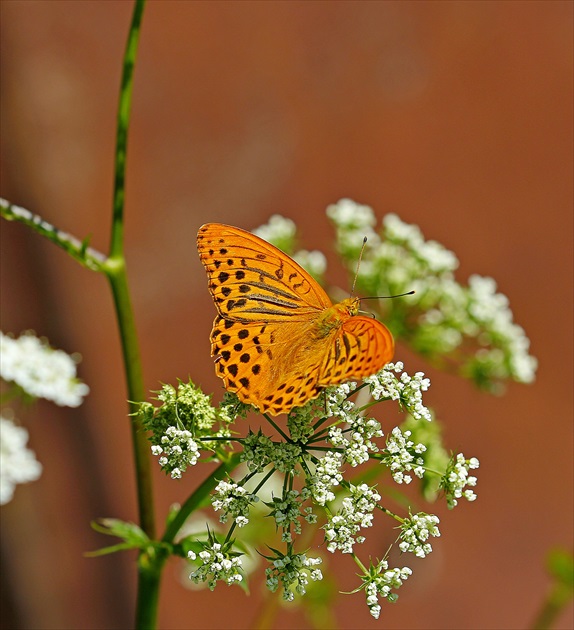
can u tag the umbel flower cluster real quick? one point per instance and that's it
(317, 457)
(321, 463)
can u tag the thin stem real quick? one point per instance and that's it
(124, 108)
(79, 250)
(115, 270)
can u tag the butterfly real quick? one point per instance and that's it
(277, 339)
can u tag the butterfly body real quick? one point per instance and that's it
(277, 338)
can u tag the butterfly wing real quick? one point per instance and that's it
(359, 348)
(250, 280)
(268, 366)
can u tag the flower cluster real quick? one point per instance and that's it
(176, 452)
(457, 482)
(356, 513)
(280, 231)
(292, 571)
(415, 532)
(356, 442)
(379, 582)
(472, 325)
(407, 390)
(182, 425)
(218, 562)
(327, 476)
(18, 464)
(41, 371)
(402, 455)
(233, 500)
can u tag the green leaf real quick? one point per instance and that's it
(131, 533)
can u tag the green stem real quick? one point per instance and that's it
(115, 269)
(79, 250)
(150, 561)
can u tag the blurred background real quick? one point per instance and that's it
(455, 115)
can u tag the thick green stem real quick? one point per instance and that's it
(150, 564)
(116, 273)
(115, 269)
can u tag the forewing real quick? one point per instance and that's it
(360, 348)
(251, 280)
(246, 358)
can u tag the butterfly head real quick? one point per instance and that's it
(349, 306)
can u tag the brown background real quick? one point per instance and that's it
(455, 115)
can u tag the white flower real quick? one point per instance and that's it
(415, 532)
(278, 228)
(218, 563)
(327, 475)
(402, 455)
(356, 512)
(233, 500)
(41, 371)
(18, 464)
(407, 390)
(380, 581)
(456, 481)
(314, 262)
(178, 451)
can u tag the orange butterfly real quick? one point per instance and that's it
(278, 339)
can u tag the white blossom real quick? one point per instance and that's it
(415, 532)
(278, 228)
(178, 450)
(402, 455)
(380, 581)
(232, 500)
(342, 529)
(217, 563)
(18, 464)
(40, 370)
(457, 482)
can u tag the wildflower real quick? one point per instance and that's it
(177, 450)
(314, 262)
(446, 315)
(407, 390)
(233, 500)
(456, 481)
(415, 532)
(280, 231)
(354, 222)
(357, 440)
(356, 512)
(41, 371)
(337, 401)
(327, 475)
(402, 455)
(218, 562)
(256, 451)
(18, 464)
(379, 582)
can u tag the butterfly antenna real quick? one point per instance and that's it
(386, 297)
(358, 265)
